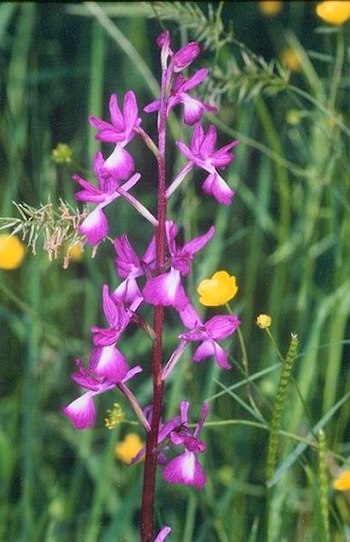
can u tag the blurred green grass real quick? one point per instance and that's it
(286, 238)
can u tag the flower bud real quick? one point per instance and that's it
(185, 56)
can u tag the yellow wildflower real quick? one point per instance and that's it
(270, 8)
(128, 448)
(342, 482)
(264, 321)
(217, 290)
(75, 252)
(12, 251)
(334, 12)
(291, 59)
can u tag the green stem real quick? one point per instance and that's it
(324, 485)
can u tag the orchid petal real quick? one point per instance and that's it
(210, 348)
(127, 261)
(196, 244)
(185, 469)
(190, 317)
(127, 291)
(107, 132)
(130, 112)
(218, 188)
(111, 309)
(166, 290)
(116, 114)
(209, 141)
(203, 417)
(119, 164)
(152, 107)
(193, 109)
(109, 362)
(81, 412)
(94, 227)
(195, 80)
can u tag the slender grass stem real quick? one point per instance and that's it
(324, 485)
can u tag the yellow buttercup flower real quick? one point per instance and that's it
(128, 448)
(342, 482)
(12, 252)
(264, 321)
(291, 59)
(217, 290)
(270, 8)
(334, 12)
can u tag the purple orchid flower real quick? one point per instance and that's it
(184, 468)
(106, 183)
(216, 328)
(117, 316)
(166, 289)
(82, 411)
(194, 108)
(120, 131)
(122, 128)
(95, 225)
(202, 153)
(130, 267)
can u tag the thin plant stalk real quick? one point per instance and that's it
(323, 484)
(148, 493)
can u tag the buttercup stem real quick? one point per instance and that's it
(149, 480)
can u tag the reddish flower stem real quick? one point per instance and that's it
(149, 479)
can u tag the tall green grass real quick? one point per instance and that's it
(286, 238)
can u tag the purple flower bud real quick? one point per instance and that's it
(185, 56)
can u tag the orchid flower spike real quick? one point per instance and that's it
(202, 154)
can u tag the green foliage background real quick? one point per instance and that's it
(286, 238)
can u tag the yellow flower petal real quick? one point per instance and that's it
(217, 290)
(12, 251)
(334, 12)
(270, 8)
(128, 448)
(342, 482)
(264, 321)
